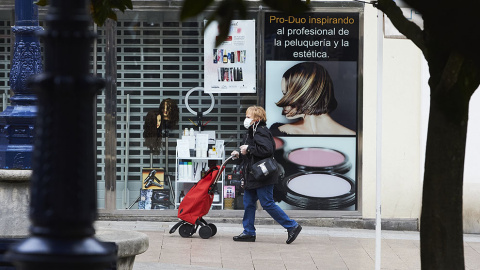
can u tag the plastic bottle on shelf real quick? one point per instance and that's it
(180, 171)
(203, 172)
(216, 197)
(190, 171)
(181, 196)
(185, 171)
(198, 173)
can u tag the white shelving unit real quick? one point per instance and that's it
(186, 185)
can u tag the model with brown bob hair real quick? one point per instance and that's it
(308, 95)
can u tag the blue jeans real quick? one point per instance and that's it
(265, 195)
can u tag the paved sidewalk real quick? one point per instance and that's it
(315, 248)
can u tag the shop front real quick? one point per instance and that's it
(159, 58)
(174, 105)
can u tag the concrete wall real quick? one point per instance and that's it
(401, 142)
(404, 127)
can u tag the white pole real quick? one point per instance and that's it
(378, 227)
(127, 152)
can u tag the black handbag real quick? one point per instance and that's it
(264, 168)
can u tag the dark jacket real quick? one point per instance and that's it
(260, 145)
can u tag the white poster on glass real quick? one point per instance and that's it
(230, 67)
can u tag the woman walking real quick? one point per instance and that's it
(258, 144)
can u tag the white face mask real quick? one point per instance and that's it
(247, 122)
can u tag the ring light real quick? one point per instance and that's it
(190, 109)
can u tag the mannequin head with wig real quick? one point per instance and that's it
(152, 131)
(169, 112)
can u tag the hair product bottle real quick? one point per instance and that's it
(190, 171)
(225, 57)
(216, 196)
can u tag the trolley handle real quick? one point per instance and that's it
(219, 174)
(222, 168)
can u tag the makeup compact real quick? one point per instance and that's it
(279, 152)
(279, 143)
(314, 178)
(316, 190)
(318, 159)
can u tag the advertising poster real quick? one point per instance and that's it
(153, 178)
(153, 194)
(230, 67)
(311, 100)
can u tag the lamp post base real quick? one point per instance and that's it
(62, 253)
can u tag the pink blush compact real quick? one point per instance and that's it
(318, 159)
(278, 143)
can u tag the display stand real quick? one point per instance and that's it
(167, 173)
(186, 184)
(167, 180)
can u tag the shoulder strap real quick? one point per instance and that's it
(271, 138)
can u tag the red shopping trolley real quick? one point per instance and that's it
(196, 204)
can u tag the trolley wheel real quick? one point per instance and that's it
(213, 227)
(186, 230)
(205, 232)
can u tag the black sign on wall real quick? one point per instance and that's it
(312, 36)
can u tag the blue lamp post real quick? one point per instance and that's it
(17, 121)
(63, 187)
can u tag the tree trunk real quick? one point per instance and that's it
(441, 232)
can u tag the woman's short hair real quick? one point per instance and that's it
(257, 112)
(309, 89)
